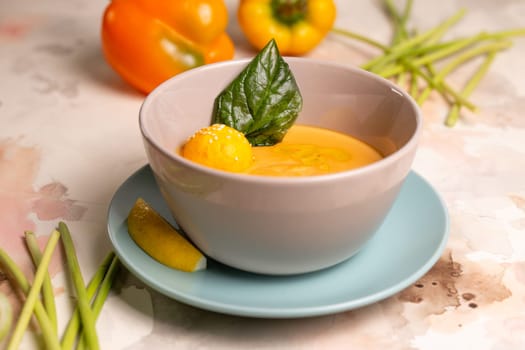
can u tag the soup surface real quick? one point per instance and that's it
(308, 150)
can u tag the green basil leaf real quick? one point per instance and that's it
(263, 101)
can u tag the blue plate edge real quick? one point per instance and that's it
(277, 313)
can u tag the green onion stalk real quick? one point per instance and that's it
(39, 299)
(86, 314)
(32, 299)
(411, 58)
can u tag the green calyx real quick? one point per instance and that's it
(289, 12)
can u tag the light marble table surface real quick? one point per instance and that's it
(69, 137)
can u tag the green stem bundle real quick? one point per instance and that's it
(47, 287)
(410, 59)
(405, 47)
(32, 296)
(6, 315)
(469, 88)
(69, 336)
(86, 314)
(100, 299)
(19, 279)
(81, 327)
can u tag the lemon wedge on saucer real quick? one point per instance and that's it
(162, 241)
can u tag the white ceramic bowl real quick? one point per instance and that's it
(283, 225)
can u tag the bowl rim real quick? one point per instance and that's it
(281, 180)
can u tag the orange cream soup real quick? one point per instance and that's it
(307, 150)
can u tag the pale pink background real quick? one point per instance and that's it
(69, 137)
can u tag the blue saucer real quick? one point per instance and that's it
(407, 245)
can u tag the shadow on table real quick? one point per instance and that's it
(92, 66)
(185, 326)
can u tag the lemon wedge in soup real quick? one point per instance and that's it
(162, 241)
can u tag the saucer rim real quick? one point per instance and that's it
(257, 311)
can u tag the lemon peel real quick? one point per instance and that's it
(162, 241)
(221, 147)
